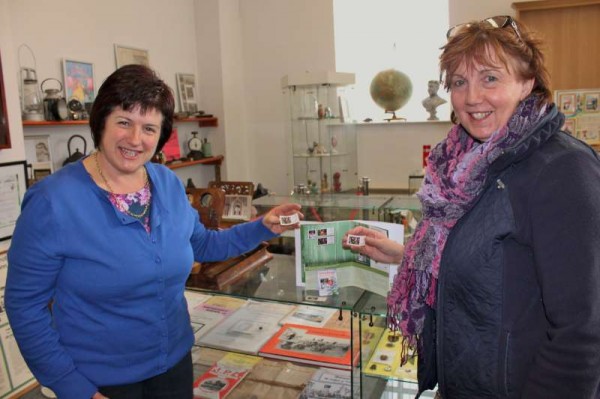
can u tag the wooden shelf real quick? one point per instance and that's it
(55, 123)
(216, 160)
(202, 122)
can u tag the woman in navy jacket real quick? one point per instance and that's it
(111, 240)
(499, 286)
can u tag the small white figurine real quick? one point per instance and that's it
(433, 101)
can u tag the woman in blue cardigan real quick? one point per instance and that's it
(110, 240)
(498, 289)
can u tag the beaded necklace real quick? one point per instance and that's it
(124, 206)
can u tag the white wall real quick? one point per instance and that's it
(88, 31)
(280, 37)
(298, 35)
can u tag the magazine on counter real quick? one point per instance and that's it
(247, 329)
(311, 345)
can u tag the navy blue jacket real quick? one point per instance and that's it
(518, 301)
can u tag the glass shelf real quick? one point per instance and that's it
(276, 281)
(341, 206)
(337, 154)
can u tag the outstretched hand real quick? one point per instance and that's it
(377, 246)
(271, 219)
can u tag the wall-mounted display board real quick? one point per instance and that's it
(582, 111)
(15, 377)
(570, 30)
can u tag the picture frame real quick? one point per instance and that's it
(125, 55)
(582, 110)
(78, 79)
(591, 102)
(38, 154)
(13, 184)
(186, 89)
(237, 207)
(567, 103)
(4, 128)
(570, 126)
(344, 109)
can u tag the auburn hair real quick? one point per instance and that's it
(475, 42)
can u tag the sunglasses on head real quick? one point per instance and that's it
(500, 21)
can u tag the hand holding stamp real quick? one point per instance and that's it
(357, 241)
(286, 220)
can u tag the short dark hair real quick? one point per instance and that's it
(128, 87)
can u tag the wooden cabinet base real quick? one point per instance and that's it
(221, 275)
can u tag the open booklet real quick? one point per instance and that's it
(319, 247)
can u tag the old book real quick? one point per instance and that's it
(311, 345)
(294, 375)
(206, 356)
(194, 298)
(314, 316)
(328, 383)
(339, 321)
(255, 389)
(281, 373)
(208, 314)
(247, 329)
(223, 376)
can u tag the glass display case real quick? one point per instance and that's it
(402, 209)
(360, 311)
(323, 144)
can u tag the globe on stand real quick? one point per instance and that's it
(391, 90)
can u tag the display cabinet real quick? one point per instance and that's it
(323, 143)
(402, 209)
(360, 311)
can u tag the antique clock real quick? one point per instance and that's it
(195, 146)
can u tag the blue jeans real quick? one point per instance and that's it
(175, 383)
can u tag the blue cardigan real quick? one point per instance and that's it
(119, 314)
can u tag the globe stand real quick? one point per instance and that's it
(394, 117)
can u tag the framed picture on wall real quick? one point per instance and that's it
(590, 102)
(567, 103)
(78, 77)
(39, 156)
(13, 183)
(4, 132)
(570, 126)
(130, 55)
(37, 152)
(186, 88)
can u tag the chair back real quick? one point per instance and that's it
(234, 187)
(209, 202)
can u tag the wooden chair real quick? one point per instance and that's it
(234, 187)
(209, 202)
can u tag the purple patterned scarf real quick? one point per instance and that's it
(454, 178)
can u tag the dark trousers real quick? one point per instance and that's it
(175, 383)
